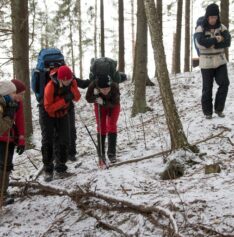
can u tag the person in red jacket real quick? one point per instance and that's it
(15, 137)
(54, 121)
(106, 98)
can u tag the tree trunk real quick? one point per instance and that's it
(187, 37)
(95, 29)
(71, 37)
(121, 36)
(20, 41)
(178, 35)
(133, 30)
(102, 29)
(80, 39)
(140, 63)
(225, 18)
(177, 135)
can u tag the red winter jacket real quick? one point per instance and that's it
(55, 105)
(17, 130)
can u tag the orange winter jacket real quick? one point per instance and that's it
(54, 103)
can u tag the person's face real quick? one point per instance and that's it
(66, 82)
(17, 97)
(212, 20)
(105, 91)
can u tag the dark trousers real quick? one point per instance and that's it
(72, 130)
(10, 154)
(220, 75)
(54, 130)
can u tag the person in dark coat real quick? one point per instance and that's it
(106, 98)
(12, 138)
(212, 37)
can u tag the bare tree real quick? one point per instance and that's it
(102, 28)
(140, 62)
(95, 29)
(187, 37)
(20, 42)
(225, 18)
(178, 37)
(78, 2)
(177, 135)
(133, 28)
(121, 36)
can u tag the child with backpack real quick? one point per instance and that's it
(14, 136)
(54, 119)
(106, 98)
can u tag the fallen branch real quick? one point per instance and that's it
(77, 195)
(167, 152)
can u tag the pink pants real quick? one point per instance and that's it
(109, 118)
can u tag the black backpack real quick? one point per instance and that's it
(103, 67)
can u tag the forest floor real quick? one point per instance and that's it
(125, 199)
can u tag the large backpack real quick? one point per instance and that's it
(48, 59)
(198, 23)
(104, 66)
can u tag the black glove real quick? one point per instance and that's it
(20, 149)
(10, 109)
(68, 97)
(64, 90)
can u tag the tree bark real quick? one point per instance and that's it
(225, 18)
(140, 62)
(80, 38)
(121, 37)
(102, 28)
(20, 42)
(178, 36)
(187, 37)
(177, 135)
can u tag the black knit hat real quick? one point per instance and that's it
(103, 81)
(212, 10)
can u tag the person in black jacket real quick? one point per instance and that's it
(212, 37)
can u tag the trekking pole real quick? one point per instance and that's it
(88, 131)
(4, 169)
(31, 161)
(100, 137)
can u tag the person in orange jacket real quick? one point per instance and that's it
(54, 121)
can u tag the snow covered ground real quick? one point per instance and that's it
(202, 204)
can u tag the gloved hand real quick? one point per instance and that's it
(99, 101)
(20, 149)
(64, 90)
(96, 91)
(68, 97)
(219, 38)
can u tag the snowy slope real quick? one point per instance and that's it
(202, 204)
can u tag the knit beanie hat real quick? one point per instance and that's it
(20, 86)
(212, 10)
(103, 81)
(7, 87)
(64, 73)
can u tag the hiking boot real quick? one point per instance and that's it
(220, 114)
(209, 116)
(48, 176)
(112, 158)
(62, 175)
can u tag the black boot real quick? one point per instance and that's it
(60, 166)
(47, 158)
(112, 139)
(7, 199)
(101, 147)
